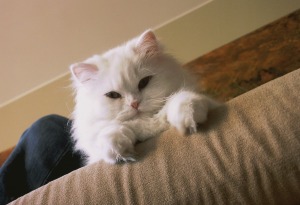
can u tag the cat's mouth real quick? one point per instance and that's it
(129, 114)
(132, 114)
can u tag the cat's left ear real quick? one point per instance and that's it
(147, 44)
(83, 72)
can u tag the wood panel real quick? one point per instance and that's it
(251, 60)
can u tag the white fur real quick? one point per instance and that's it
(107, 129)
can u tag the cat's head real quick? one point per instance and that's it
(132, 80)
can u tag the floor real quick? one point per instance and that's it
(4, 155)
(251, 60)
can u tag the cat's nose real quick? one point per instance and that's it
(135, 105)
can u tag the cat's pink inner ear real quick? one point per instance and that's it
(147, 44)
(83, 71)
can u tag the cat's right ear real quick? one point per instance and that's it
(83, 72)
(147, 44)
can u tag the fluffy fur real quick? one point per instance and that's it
(131, 93)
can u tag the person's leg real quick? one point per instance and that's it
(44, 153)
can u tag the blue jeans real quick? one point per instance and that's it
(44, 153)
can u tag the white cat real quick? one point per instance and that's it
(129, 94)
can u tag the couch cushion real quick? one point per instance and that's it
(248, 153)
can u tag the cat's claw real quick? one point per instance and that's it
(186, 110)
(128, 156)
(115, 157)
(191, 130)
(120, 159)
(186, 127)
(117, 146)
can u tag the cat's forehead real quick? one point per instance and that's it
(120, 64)
(122, 69)
(121, 75)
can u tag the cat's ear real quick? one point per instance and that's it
(147, 44)
(83, 72)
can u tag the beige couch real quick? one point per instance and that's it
(247, 153)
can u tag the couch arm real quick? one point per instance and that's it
(247, 153)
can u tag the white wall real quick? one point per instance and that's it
(40, 38)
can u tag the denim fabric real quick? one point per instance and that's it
(44, 153)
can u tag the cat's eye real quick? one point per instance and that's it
(144, 82)
(113, 95)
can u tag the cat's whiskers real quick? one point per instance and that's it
(149, 72)
(126, 114)
(155, 104)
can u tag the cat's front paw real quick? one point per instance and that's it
(186, 110)
(117, 147)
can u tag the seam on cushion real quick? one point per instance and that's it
(56, 163)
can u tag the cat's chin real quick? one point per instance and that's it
(133, 115)
(128, 115)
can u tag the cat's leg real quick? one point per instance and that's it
(146, 128)
(114, 144)
(185, 109)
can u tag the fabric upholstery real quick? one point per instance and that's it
(247, 153)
